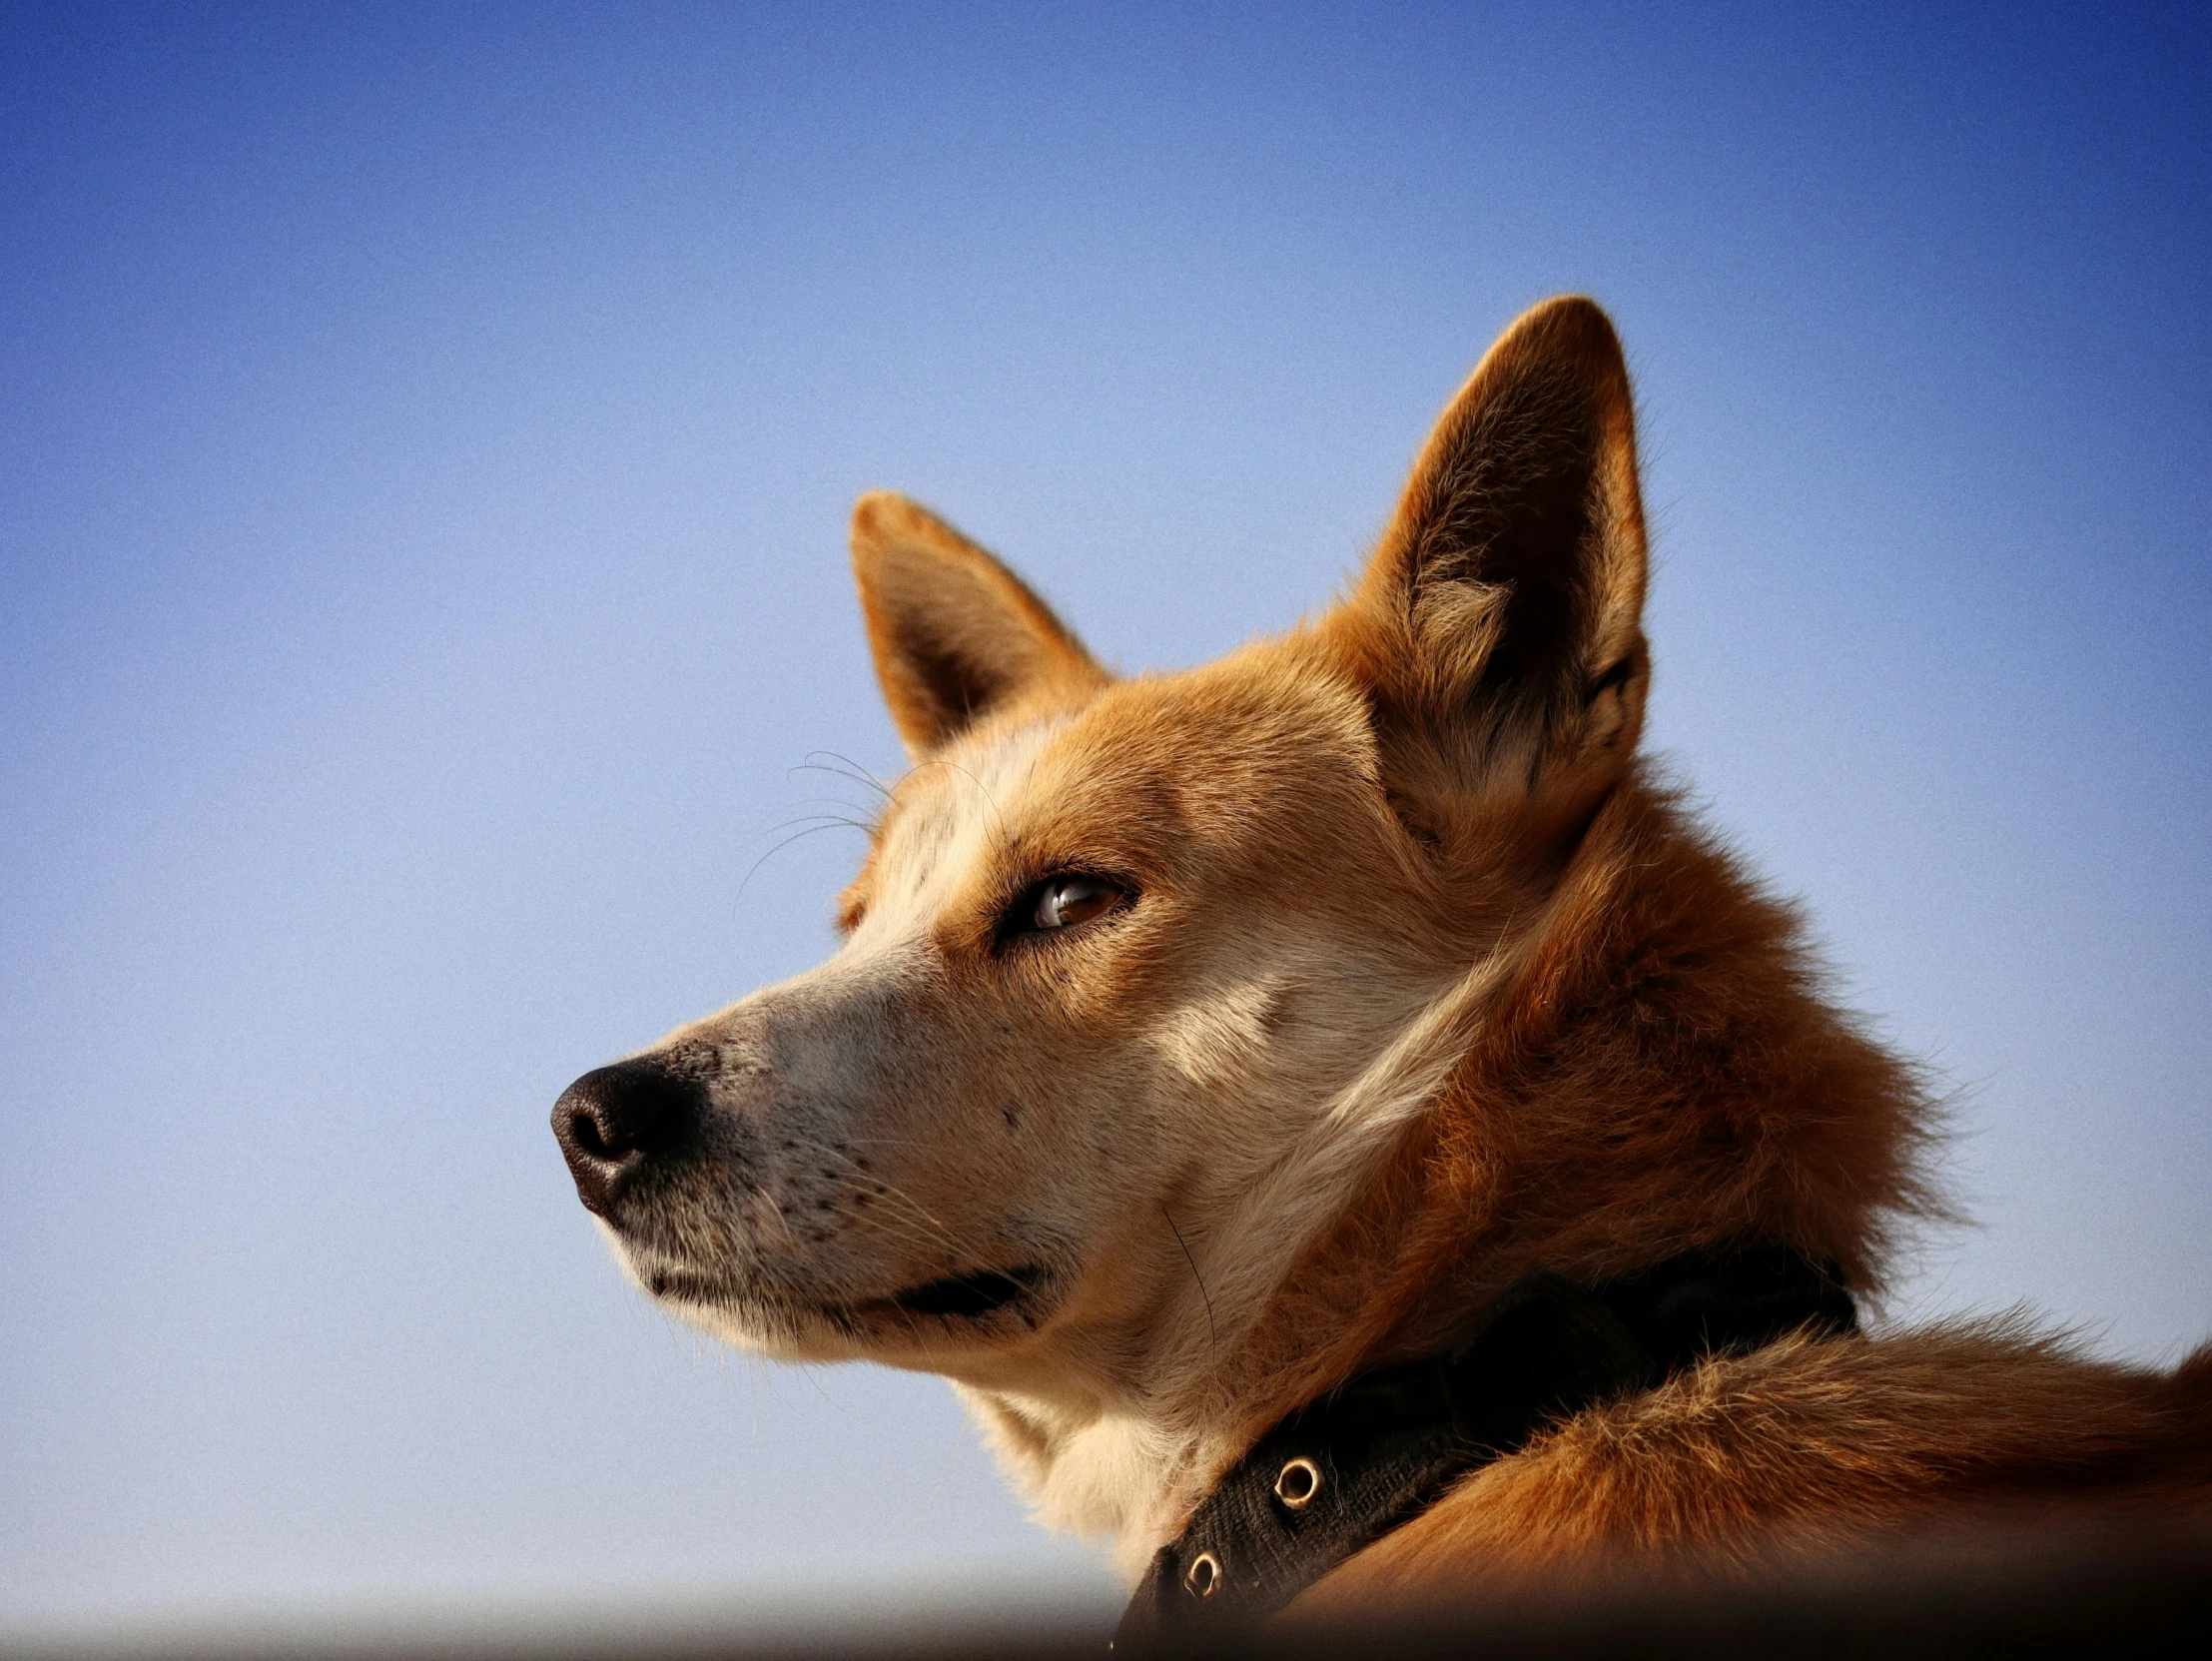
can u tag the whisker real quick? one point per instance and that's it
(817, 819)
(746, 879)
(850, 770)
(1213, 1338)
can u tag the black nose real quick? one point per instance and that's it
(612, 1118)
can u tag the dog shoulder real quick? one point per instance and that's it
(1800, 1445)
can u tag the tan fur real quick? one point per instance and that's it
(1419, 980)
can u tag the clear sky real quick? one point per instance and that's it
(425, 441)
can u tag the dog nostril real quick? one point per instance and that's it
(586, 1135)
(609, 1120)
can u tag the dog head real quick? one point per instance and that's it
(1138, 972)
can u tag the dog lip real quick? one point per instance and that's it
(690, 1287)
(969, 1297)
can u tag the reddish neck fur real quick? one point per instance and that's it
(1663, 1071)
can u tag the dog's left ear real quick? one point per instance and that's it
(1498, 629)
(956, 635)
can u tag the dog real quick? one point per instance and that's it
(1344, 1126)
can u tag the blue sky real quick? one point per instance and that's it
(426, 440)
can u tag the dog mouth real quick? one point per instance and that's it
(969, 1296)
(687, 1286)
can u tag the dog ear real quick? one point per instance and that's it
(954, 634)
(1498, 629)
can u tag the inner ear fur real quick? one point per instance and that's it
(955, 635)
(1498, 629)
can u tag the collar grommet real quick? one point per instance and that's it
(1297, 1483)
(1204, 1577)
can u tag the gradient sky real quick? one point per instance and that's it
(425, 440)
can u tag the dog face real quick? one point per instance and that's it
(1136, 970)
(1100, 965)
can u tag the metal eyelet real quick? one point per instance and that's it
(1297, 1483)
(1204, 1577)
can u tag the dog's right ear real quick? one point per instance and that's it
(1498, 629)
(955, 635)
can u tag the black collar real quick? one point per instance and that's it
(1341, 1472)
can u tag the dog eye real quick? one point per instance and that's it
(1062, 901)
